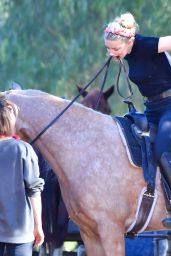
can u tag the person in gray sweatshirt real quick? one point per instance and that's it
(20, 189)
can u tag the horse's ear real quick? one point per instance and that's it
(109, 92)
(79, 89)
(15, 86)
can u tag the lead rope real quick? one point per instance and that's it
(69, 105)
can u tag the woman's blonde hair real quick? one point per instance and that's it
(7, 108)
(123, 27)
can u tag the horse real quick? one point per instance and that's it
(90, 99)
(99, 185)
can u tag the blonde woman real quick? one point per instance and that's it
(150, 70)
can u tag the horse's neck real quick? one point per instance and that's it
(76, 130)
(45, 113)
(72, 143)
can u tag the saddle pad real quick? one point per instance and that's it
(132, 147)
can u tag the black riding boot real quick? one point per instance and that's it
(165, 164)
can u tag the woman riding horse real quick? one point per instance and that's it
(150, 70)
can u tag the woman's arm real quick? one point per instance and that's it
(164, 44)
(37, 212)
(33, 188)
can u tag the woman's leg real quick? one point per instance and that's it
(163, 153)
(163, 138)
(25, 249)
(162, 147)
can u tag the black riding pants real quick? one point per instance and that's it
(159, 116)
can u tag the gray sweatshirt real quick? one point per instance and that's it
(19, 180)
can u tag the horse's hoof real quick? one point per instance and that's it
(167, 223)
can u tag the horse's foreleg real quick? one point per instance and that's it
(93, 245)
(112, 239)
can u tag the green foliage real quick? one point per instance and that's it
(53, 45)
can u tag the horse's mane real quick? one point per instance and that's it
(29, 92)
(44, 96)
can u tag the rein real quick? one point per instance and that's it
(103, 84)
(122, 66)
(107, 63)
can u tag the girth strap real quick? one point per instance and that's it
(144, 212)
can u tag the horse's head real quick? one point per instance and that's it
(90, 99)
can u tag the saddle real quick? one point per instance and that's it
(135, 128)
